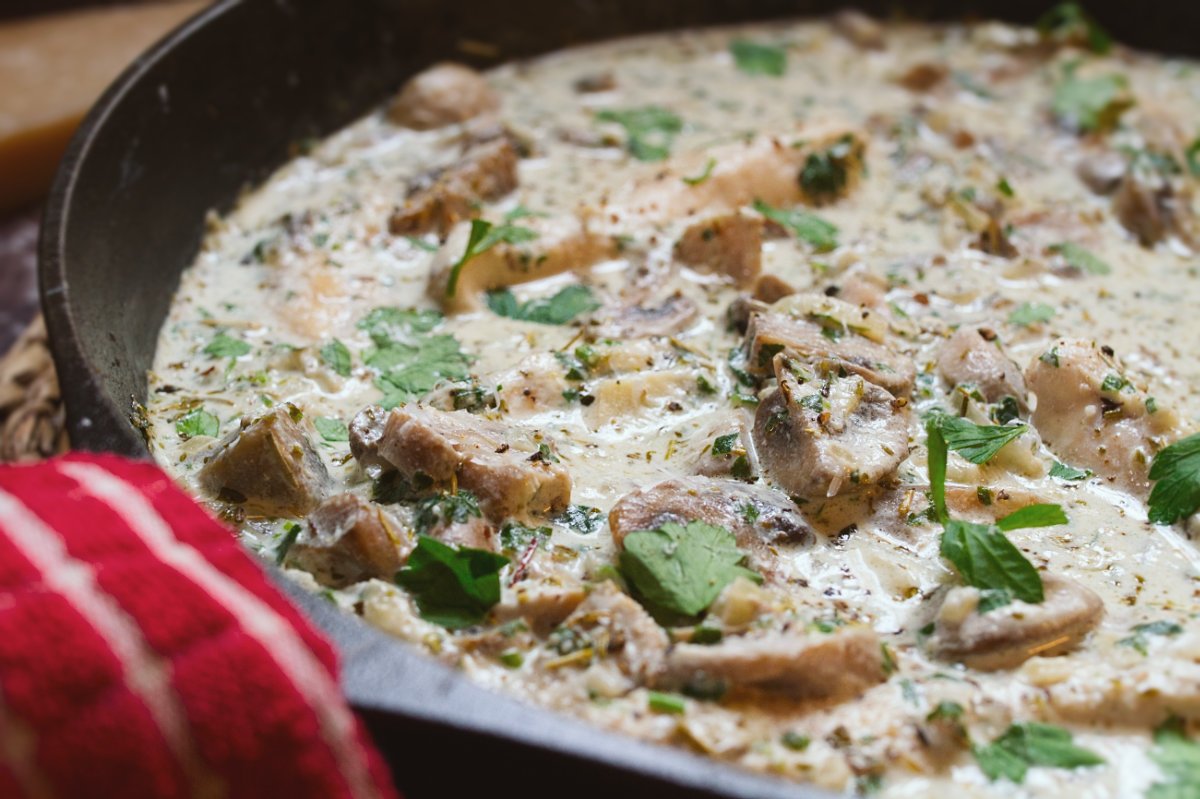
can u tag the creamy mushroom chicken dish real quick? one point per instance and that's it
(815, 396)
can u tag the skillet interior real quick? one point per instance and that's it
(186, 129)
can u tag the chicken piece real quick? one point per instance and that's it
(488, 171)
(268, 467)
(543, 604)
(973, 356)
(443, 94)
(1152, 208)
(842, 664)
(759, 517)
(1091, 416)
(348, 540)
(559, 244)
(770, 333)
(509, 478)
(365, 429)
(619, 629)
(859, 29)
(728, 245)
(820, 435)
(1009, 635)
(673, 315)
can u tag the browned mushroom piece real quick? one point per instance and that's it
(842, 664)
(510, 476)
(973, 356)
(729, 245)
(820, 434)
(859, 29)
(771, 288)
(1102, 171)
(443, 198)
(268, 467)
(923, 76)
(444, 94)
(1151, 208)
(348, 540)
(759, 517)
(770, 333)
(615, 627)
(1007, 636)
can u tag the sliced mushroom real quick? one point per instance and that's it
(1091, 416)
(487, 171)
(770, 333)
(348, 540)
(269, 467)
(842, 664)
(728, 245)
(758, 517)
(974, 356)
(1151, 208)
(1009, 635)
(444, 94)
(820, 434)
(510, 477)
(636, 320)
(618, 629)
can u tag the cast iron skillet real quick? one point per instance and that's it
(214, 108)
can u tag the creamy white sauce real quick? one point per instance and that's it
(317, 273)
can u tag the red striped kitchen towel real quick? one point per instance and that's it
(143, 653)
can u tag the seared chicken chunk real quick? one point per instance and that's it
(727, 245)
(972, 357)
(268, 467)
(619, 630)
(487, 171)
(348, 540)
(443, 94)
(510, 478)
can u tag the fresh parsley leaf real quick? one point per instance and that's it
(678, 570)
(483, 236)
(1032, 744)
(1179, 759)
(1027, 313)
(946, 709)
(795, 741)
(582, 519)
(1040, 515)
(225, 346)
(336, 356)
(1140, 641)
(1005, 188)
(393, 487)
(197, 422)
(452, 587)
(1176, 475)
(387, 324)
(1065, 472)
(724, 445)
(1068, 22)
(290, 533)
(332, 430)
(986, 559)
(824, 173)
(440, 509)
(977, 443)
(758, 59)
(1005, 411)
(649, 131)
(1113, 383)
(1080, 258)
(703, 176)
(408, 371)
(516, 537)
(808, 227)
(565, 305)
(1090, 104)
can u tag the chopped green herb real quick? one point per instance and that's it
(649, 131)
(1140, 641)
(1113, 383)
(1192, 154)
(702, 634)
(447, 508)
(705, 385)
(1004, 187)
(1090, 104)
(421, 244)
(890, 666)
(225, 346)
(977, 443)
(1179, 759)
(946, 709)
(1151, 405)
(758, 59)
(336, 356)
(1176, 475)
(197, 422)
(724, 445)
(516, 537)
(1068, 22)
(1005, 411)
(566, 304)
(290, 531)
(795, 741)
(824, 174)
(582, 519)
(703, 176)
(1027, 313)
(1031, 744)
(472, 398)
(808, 227)
(483, 236)
(511, 658)
(666, 703)
(678, 570)
(1065, 472)
(1050, 357)
(1080, 258)
(332, 430)
(393, 487)
(452, 587)
(387, 324)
